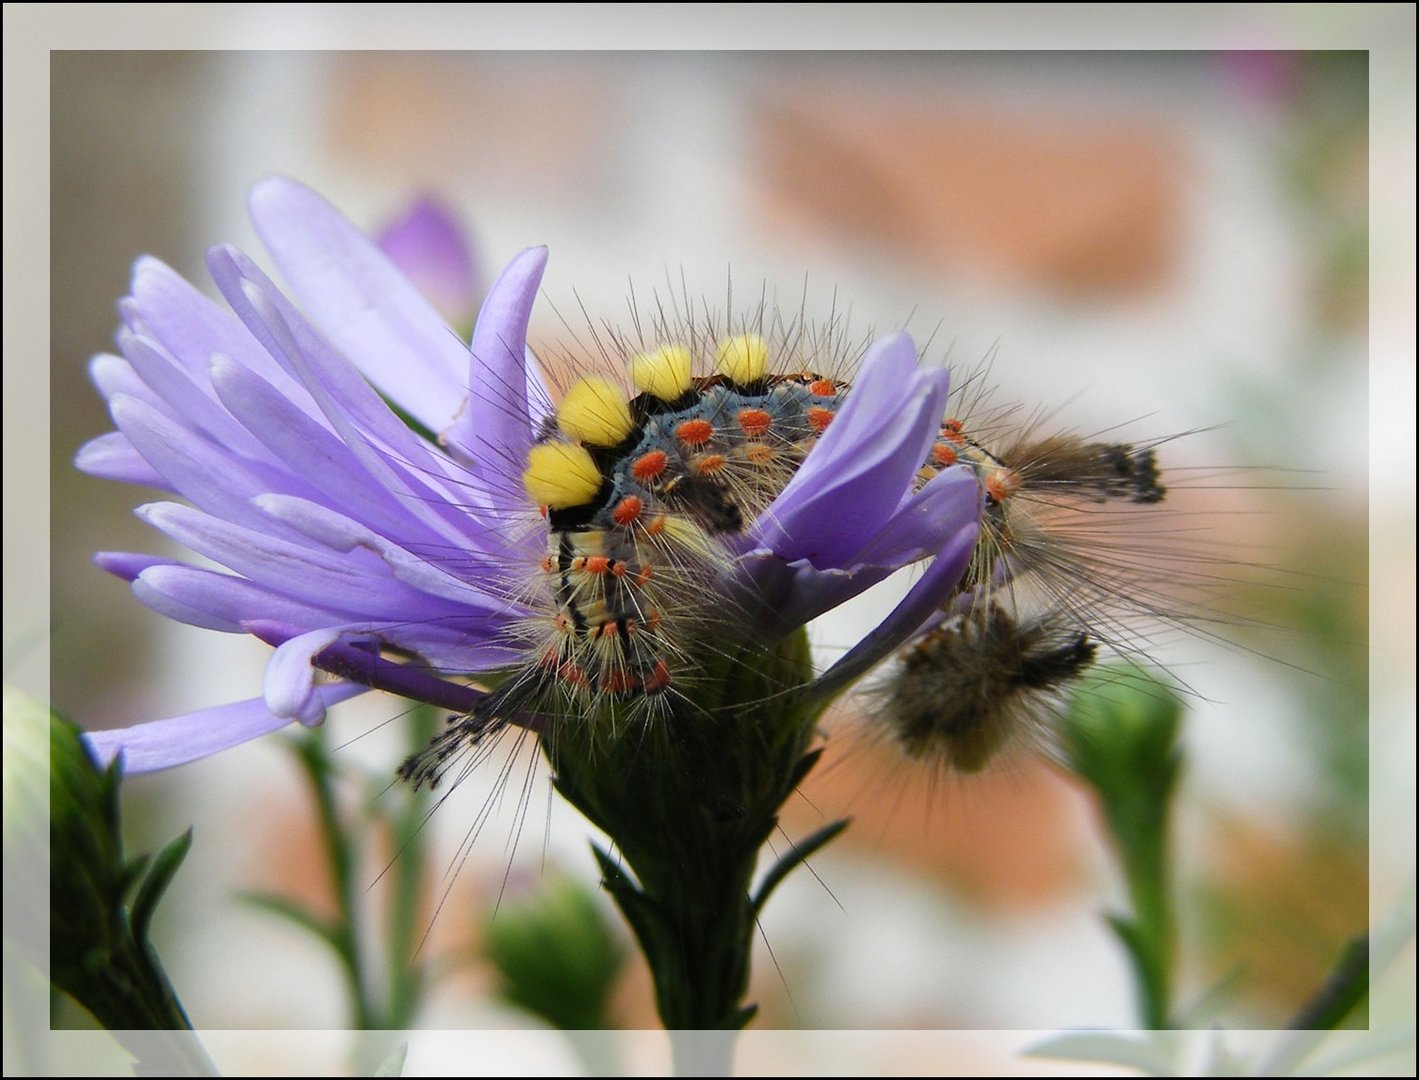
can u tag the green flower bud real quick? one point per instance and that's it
(557, 955)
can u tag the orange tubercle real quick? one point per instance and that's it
(819, 418)
(657, 680)
(754, 422)
(618, 681)
(1000, 486)
(694, 432)
(627, 510)
(570, 673)
(649, 465)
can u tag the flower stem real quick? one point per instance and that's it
(688, 798)
(313, 754)
(406, 978)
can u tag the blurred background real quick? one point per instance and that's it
(1176, 241)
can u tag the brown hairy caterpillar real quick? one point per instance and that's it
(1077, 554)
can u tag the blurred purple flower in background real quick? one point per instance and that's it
(359, 548)
(430, 248)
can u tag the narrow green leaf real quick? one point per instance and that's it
(288, 909)
(805, 766)
(796, 855)
(155, 883)
(1346, 987)
(633, 903)
(133, 871)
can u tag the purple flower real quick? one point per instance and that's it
(358, 548)
(429, 247)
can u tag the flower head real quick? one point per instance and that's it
(369, 482)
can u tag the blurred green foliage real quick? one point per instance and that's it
(557, 955)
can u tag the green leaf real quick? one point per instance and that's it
(805, 766)
(794, 857)
(133, 872)
(1346, 987)
(635, 906)
(99, 951)
(165, 866)
(288, 909)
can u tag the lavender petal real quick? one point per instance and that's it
(855, 477)
(925, 597)
(178, 740)
(369, 310)
(127, 564)
(167, 308)
(401, 462)
(219, 601)
(113, 457)
(494, 431)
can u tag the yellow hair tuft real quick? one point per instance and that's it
(595, 412)
(744, 358)
(663, 373)
(560, 475)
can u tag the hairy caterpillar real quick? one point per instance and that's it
(646, 497)
(1076, 555)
